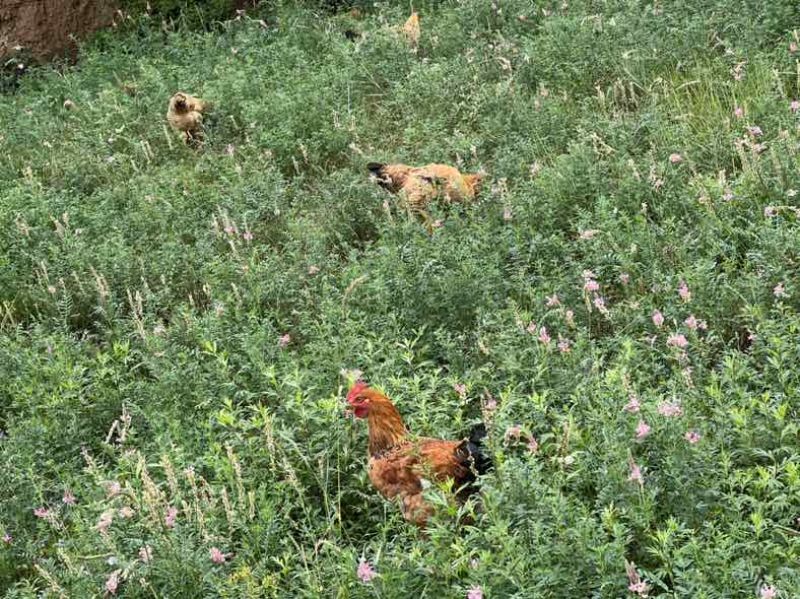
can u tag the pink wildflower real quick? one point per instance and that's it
(677, 340)
(438, 223)
(126, 512)
(570, 317)
(633, 406)
(533, 444)
(635, 583)
(600, 304)
(770, 212)
(8, 539)
(591, 285)
(146, 554)
(229, 229)
(544, 337)
(41, 512)
(670, 409)
(658, 318)
(683, 291)
(675, 158)
(461, 389)
(247, 236)
(589, 233)
(624, 278)
(113, 582)
(284, 340)
(104, 523)
(738, 112)
(692, 322)
(553, 301)
(513, 432)
(531, 328)
(642, 430)
(636, 474)
(217, 556)
(491, 404)
(794, 106)
(779, 291)
(113, 488)
(640, 588)
(169, 518)
(475, 593)
(312, 270)
(365, 572)
(768, 592)
(563, 345)
(68, 498)
(793, 47)
(692, 437)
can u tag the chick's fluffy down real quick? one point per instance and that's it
(185, 114)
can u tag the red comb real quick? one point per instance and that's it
(355, 390)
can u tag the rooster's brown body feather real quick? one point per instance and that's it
(398, 463)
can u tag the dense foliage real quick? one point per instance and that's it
(177, 327)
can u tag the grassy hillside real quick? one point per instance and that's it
(177, 327)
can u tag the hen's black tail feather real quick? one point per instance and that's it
(471, 453)
(475, 449)
(376, 168)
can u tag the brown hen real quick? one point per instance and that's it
(418, 186)
(185, 114)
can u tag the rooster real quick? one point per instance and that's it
(185, 114)
(398, 463)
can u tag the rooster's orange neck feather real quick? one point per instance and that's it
(386, 428)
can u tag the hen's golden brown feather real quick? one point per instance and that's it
(185, 114)
(419, 186)
(411, 30)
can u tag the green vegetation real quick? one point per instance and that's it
(643, 161)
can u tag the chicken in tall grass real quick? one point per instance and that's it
(399, 462)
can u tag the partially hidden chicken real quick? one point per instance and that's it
(399, 462)
(418, 186)
(185, 114)
(411, 30)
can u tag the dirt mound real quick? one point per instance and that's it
(48, 28)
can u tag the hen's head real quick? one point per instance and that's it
(361, 397)
(179, 102)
